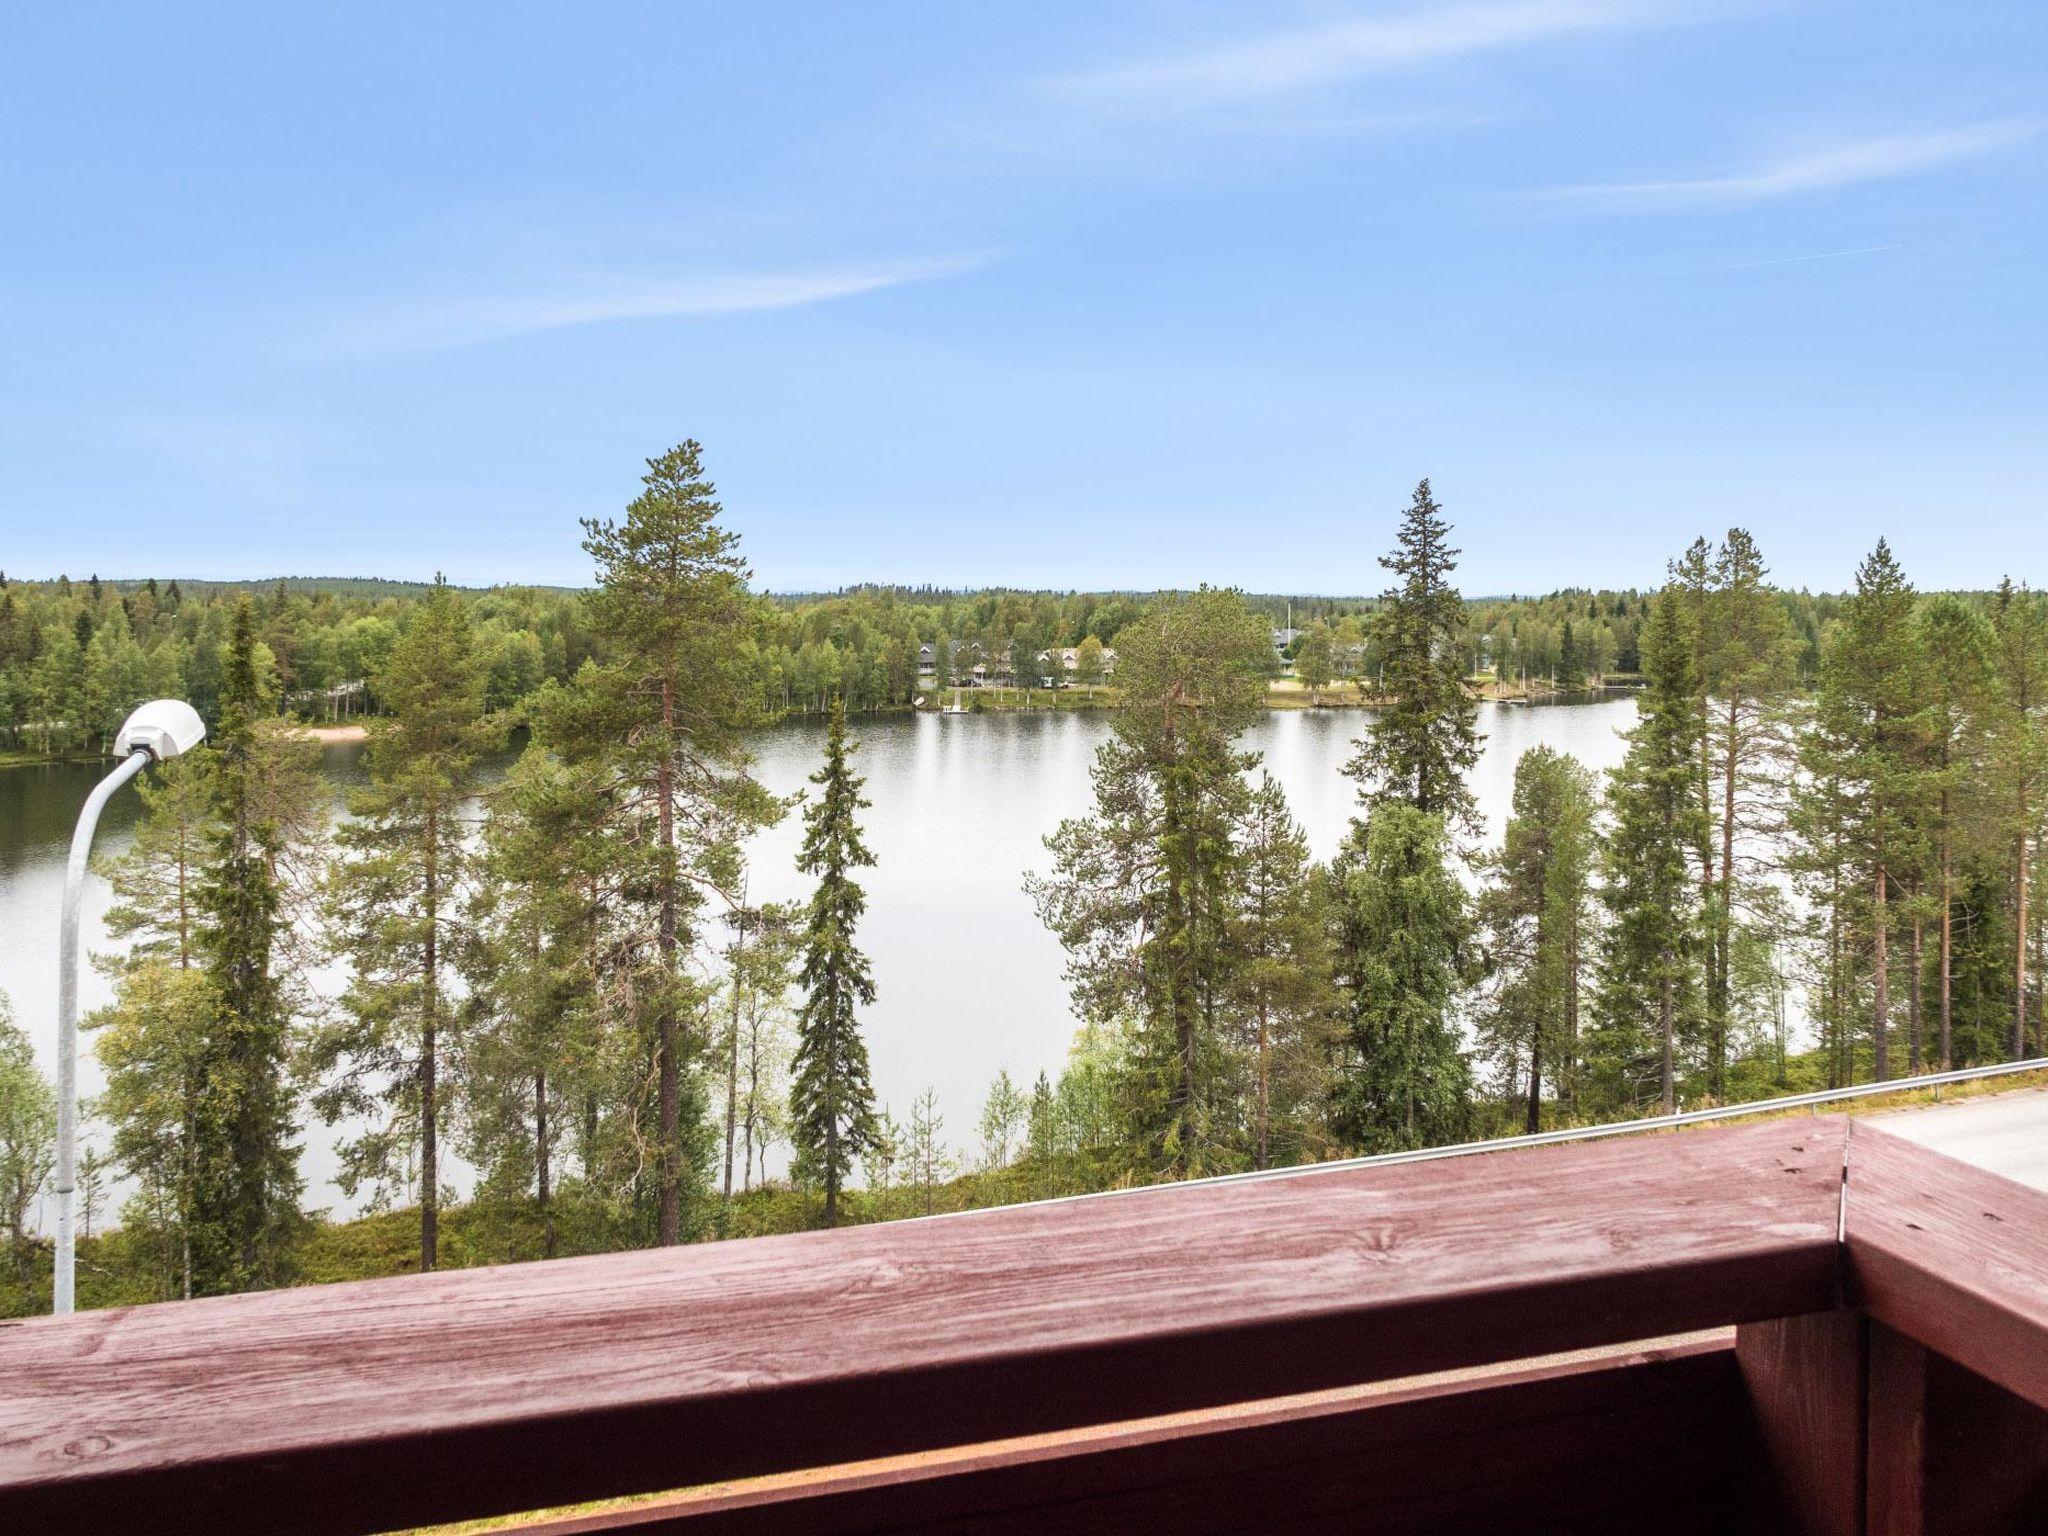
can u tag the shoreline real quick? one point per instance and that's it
(978, 701)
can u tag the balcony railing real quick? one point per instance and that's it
(1795, 1326)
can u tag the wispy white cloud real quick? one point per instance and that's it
(1259, 70)
(1844, 165)
(466, 321)
(1790, 261)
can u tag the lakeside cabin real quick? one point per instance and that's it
(972, 667)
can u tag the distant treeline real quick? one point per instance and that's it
(77, 656)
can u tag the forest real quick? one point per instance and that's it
(1830, 810)
(75, 656)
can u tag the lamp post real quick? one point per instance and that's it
(153, 733)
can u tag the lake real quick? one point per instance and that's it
(969, 982)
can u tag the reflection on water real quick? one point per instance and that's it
(968, 980)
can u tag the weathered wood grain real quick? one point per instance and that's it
(1804, 1380)
(1560, 1448)
(1951, 1454)
(1952, 1256)
(373, 1405)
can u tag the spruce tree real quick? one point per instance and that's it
(1141, 890)
(2019, 654)
(1649, 951)
(530, 1043)
(1424, 739)
(245, 1214)
(397, 901)
(832, 1102)
(1571, 665)
(1403, 1081)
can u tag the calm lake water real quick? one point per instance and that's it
(969, 982)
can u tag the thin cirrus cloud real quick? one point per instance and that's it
(1845, 165)
(466, 322)
(1260, 70)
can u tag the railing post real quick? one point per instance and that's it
(1805, 1379)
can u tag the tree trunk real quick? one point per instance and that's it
(668, 1221)
(732, 1063)
(1265, 1091)
(1536, 1077)
(1566, 1072)
(1947, 939)
(1666, 1024)
(430, 1165)
(1724, 913)
(541, 1153)
(1917, 953)
(2019, 947)
(1880, 980)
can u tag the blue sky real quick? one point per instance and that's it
(1128, 294)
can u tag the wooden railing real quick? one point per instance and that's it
(1793, 1326)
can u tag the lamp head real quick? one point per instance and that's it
(163, 728)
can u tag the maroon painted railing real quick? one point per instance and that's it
(1209, 1358)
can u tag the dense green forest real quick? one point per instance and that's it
(1830, 808)
(76, 656)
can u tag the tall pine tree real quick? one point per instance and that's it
(1866, 750)
(398, 901)
(664, 715)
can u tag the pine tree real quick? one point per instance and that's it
(2019, 655)
(1534, 915)
(157, 882)
(1425, 739)
(1747, 656)
(529, 1034)
(931, 1164)
(1004, 1115)
(664, 714)
(1956, 641)
(245, 1216)
(1141, 890)
(1283, 990)
(397, 901)
(1403, 1081)
(1866, 749)
(1649, 952)
(832, 1102)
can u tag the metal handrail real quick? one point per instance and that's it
(1558, 1137)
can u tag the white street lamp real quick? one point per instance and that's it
(154, 732)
